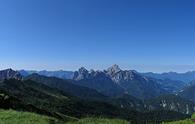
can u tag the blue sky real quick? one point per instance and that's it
(147, 35)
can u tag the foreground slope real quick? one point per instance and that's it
(58, 102)
(15, 117)
(55, 103)
(98, 121)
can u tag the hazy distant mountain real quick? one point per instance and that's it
(171, 86)
(185, 77)
(114, 81)
(9, 74)
(60, 74)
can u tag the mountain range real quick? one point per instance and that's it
(111, 93)
(184, 77)
(59, 74)
(126, 82)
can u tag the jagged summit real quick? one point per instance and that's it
(82, 73)
(83, 70)
(113, 69)
(9, 74)
(116, 79)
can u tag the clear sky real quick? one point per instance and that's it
(147, 35)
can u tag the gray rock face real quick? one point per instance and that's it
(134, 83)
(113, 69)
(82, 73)
(118, 75)
(97, 80)
(130, 81)
(10, 74)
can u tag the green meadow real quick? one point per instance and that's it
(15, 117)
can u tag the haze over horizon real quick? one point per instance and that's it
(147, 36)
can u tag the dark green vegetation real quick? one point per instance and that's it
(67, 86)
(99, 121)
(58, 102)
(124, 101)
(186, 121)
(35, 97)
(171, 102)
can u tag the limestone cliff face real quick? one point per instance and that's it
(126, 81)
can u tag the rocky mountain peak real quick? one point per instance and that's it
(82, 73)
(83, 70)
(113, 69)
(9, 74)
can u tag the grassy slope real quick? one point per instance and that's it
(14, 117)
(99, 121)
(182, 122)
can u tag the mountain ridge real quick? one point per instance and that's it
(128, 81)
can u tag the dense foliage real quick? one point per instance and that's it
(28, 95)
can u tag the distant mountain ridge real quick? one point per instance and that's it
(185, 77)
(110, 82)
(59, 74)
